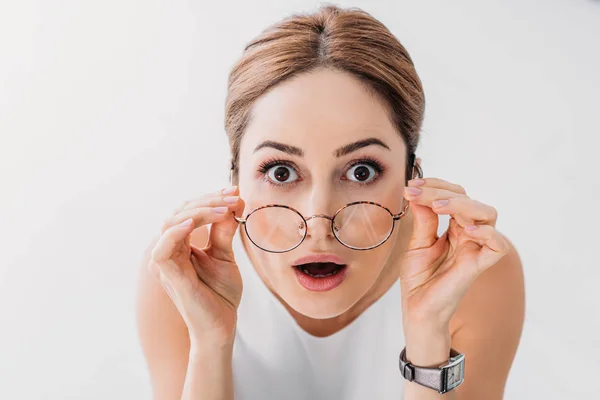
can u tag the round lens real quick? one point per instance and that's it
(363, 225)
(275, 228)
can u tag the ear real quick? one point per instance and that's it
(417, 167)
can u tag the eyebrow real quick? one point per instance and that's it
(349, 148)
(342, 151)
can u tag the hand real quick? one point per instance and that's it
(437, 271)
(204, 283)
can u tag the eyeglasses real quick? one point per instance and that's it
(360, 225)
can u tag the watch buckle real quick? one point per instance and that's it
(409, 372)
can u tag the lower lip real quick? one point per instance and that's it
(320, 284)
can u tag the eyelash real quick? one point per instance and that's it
(266, 165)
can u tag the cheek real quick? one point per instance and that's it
(394, 199)
(372, 262)
(375, 261)
(253, 192)
(273, 265)
(256, 192)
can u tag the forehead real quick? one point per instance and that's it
(320, 110)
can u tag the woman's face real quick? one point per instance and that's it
(296, 152)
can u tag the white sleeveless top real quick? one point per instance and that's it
(275, 359)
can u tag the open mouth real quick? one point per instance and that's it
(320, 269)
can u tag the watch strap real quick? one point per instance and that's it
(432, 378)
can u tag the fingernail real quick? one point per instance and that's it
(413, 190)
(187, 222)
(231, 199)
(229, 190)
(440, 203)
(416, 182)
(470, 227)
(220, 210)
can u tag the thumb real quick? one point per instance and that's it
(425, 226)
(221, 233)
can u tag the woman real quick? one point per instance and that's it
(323, 114)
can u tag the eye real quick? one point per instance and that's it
(361, 173)
(280, 174)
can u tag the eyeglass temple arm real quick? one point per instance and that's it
(238, 219)
(419, 174)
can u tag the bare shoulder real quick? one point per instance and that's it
(487, 327)
(161, 330)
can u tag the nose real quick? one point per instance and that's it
(319, 227)
(320, 212)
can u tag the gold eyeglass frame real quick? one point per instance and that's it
(415, 168)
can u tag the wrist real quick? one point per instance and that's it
(211, 351)
(428, 348)
(201, 345)
(209, 373)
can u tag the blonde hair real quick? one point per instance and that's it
(343, 39)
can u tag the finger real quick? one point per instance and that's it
(426, 195)
(468, 209)
(454, 230)
(196, 262)
(201, 216)
(495, 245)
(171, 239)
(168, 272)
(221, 234)
(215, 200)
(425, 226)
(207, 199)
(437, 183)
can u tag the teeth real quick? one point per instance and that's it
(319, 276)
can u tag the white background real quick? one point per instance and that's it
(111, 114)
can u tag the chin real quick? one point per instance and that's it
(323, 300)
(321, 308)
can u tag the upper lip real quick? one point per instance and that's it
(313, 258)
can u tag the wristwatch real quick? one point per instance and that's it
(443, 379)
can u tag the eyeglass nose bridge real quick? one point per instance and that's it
(318, 216)
(335, 228)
